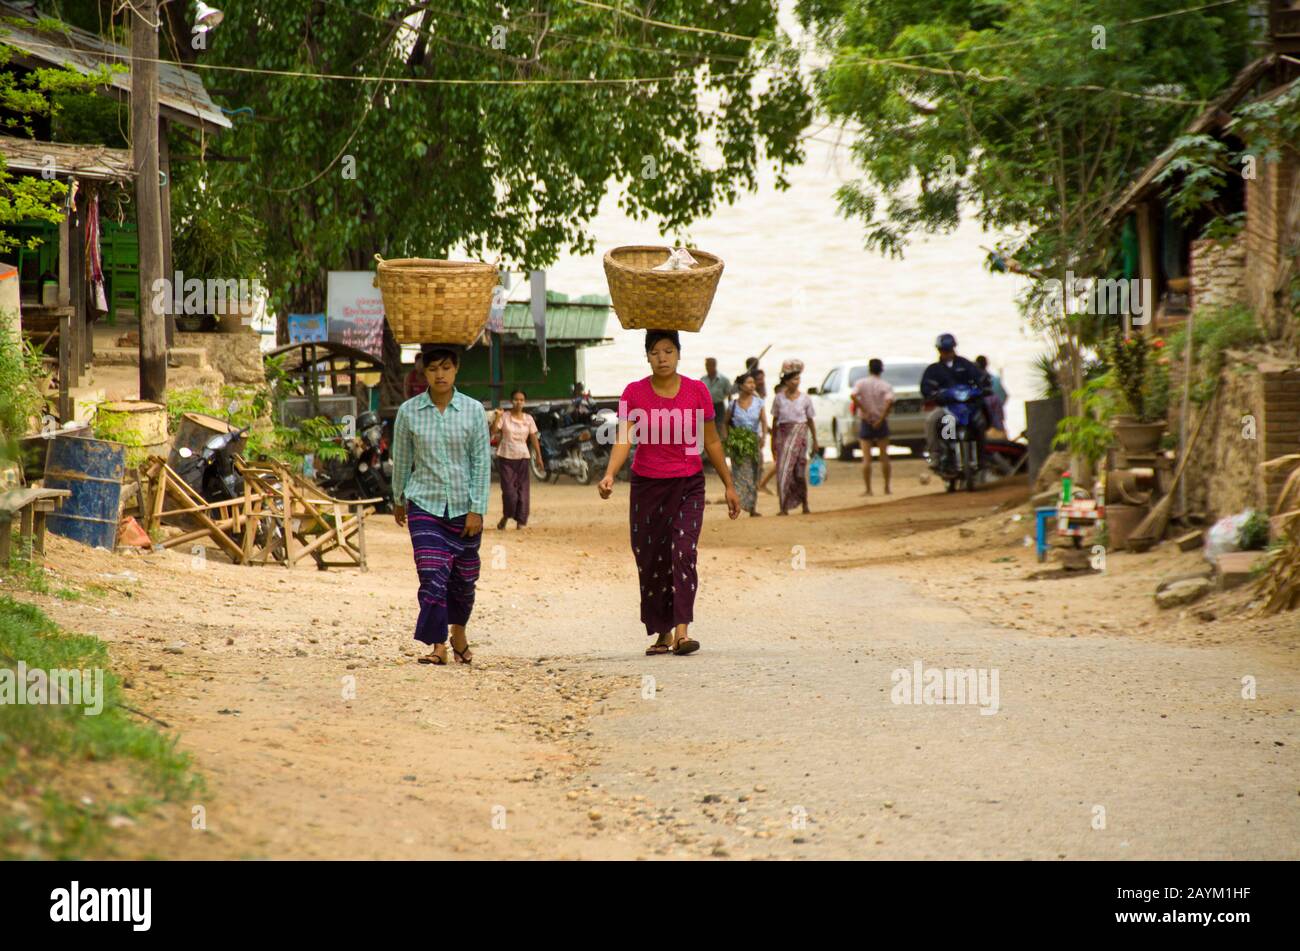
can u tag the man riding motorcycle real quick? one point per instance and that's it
(948, 371)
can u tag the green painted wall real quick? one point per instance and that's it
(520, 366)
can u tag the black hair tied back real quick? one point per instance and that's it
(652, 337)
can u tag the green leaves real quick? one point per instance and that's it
(1032, 115)
(510, 170)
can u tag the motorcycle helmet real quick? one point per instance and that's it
(367, 419)
(945, 342)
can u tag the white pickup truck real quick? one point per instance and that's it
(837, 424)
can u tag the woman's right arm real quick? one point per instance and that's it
(617, 458)
(403, 457)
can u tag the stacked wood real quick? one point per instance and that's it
(1279, 588)
(280, 517)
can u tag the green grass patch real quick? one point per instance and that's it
(65, 775)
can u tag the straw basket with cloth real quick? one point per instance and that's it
(429, 301)
(654, 288)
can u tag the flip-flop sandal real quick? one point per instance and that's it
(686, 646)
(438, 660)
(460, 655)
(655, 649)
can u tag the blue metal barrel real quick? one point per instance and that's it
(92, 469)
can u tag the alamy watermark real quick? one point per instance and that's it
(1108, 297)
(82, 688)
(941, 685)
(193, 296)
(662, 427)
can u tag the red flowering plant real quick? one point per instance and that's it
(1143, 380)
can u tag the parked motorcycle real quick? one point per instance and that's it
(568, 448)
(960, 460)
(367, 472)
(212, 471)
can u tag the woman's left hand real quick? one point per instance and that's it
(733, 503)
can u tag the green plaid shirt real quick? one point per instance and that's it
(442, 460)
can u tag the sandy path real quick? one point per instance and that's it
(785, 715)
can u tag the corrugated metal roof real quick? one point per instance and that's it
(566, 320)
(181, 95)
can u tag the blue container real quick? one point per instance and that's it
(92, 470)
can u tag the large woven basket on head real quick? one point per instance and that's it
(427, 301)
(645, 299)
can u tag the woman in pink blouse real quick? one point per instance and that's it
(518, 432)
(670, 418)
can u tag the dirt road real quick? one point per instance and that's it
(1117, 732)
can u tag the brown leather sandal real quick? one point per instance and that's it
(434, 657)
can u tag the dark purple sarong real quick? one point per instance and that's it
(665, 517)
(448, 565)
(515, 483)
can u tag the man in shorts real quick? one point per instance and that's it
(873, 399)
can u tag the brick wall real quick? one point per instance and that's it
(1218, 272)
(1280, 426)
(1268, 200)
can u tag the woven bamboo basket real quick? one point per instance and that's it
(645, 299)
(427, 301)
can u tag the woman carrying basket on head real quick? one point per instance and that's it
(669, 417)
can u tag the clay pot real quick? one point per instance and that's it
(1120, 522)
(1139, 439)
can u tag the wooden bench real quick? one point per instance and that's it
(30, 506)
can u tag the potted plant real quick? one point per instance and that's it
(216, 239)
(1141, 371)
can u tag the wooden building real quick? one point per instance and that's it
(183, 101)
(1184, 268)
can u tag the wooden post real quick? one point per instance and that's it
(1148, 269)
(165, 166)
(65, 364)
(77, 293)
(144, 154)
(65, 268)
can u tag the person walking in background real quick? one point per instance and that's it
(442, 471)
(669, 416)
(996, 400)
(518, 434)
(415, 382)
(792, 431)
(873, 398)
(719, 388)
(746, 412)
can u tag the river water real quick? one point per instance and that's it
(798, 278)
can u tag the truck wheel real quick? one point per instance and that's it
(844, 452)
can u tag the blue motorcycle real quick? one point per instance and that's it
(961, 431)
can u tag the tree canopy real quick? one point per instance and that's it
(1031, 114)
(467, 125)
